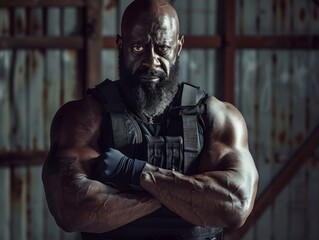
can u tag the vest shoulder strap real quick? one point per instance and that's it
(191, 108)
(108, 95)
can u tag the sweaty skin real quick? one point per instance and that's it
(220, 194)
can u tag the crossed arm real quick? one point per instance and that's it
(222, 193)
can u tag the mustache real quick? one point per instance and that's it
(146, 72)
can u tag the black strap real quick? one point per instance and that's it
(108, 94)
(191, 97)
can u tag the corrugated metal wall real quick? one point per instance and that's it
(33, 84)
(276, 90)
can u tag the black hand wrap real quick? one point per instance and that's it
(116, 169)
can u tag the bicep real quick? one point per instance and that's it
(226, 140)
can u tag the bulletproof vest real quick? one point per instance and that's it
(173, 144)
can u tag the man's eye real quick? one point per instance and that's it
(137, 49)
(163, 49)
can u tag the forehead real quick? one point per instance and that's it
(162, 27)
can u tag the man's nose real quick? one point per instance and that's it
(151, 59)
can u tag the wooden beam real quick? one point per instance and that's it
(229, 50)
(19, 158)
(278, 183)
(42, 3)
(190, 42)
(278, 42)
(42, 42)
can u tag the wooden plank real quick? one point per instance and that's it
(42, 3)
(21, 158)
(72, 42)
(190, 42)
(278, 42)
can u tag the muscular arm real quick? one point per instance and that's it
(77, 202)
(223, 191)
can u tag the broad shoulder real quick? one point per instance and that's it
(226, 122)
(78, 118)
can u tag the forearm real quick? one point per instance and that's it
(90, 206)
(206, 200)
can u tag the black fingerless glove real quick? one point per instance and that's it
(115, 169)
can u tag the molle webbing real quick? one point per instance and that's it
(107, 93)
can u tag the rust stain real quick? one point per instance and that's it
(111, 4)
(307, 113)
(258, 23)
(282, 136)
(16, 187)
(34, 62)
(19, 26)
(302, 14)
(273, 133)
(299, 138)
(256, 107)
(283, 13)
(276, 158)
(62, 96)
(274, 59)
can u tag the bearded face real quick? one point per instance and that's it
(146, 96)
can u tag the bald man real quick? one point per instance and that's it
(147, 157)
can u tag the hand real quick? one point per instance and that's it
(116, 169)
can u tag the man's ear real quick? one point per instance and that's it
(119, 42)
(180, 45)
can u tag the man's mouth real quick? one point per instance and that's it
(149, 79)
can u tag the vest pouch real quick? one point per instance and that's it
(155, 150)
(174, 153)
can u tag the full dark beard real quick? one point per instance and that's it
(149, 98)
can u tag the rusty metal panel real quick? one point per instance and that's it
(272, 95)
(109, 67)
(276, 17)
(5, 203)
(5, 61)
(18, 202)
(110, 20)
(35, 89)
(33, 84)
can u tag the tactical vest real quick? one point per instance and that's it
(173, 144)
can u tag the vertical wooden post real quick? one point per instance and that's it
(93, 43)
(229, 50)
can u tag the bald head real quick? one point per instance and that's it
(148, 12)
